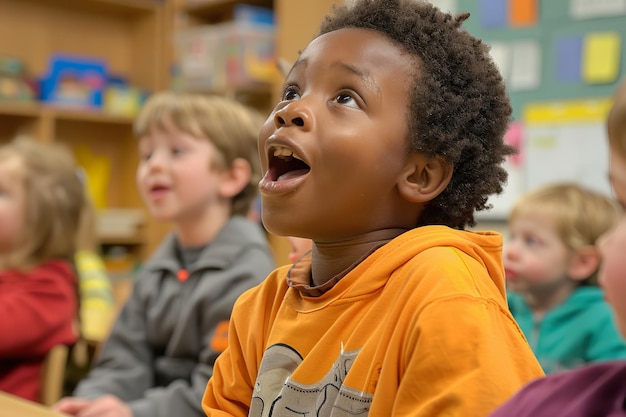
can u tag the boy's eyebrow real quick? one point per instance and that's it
(346, 67)
(363, 75)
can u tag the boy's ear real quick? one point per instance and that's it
(235, 178)
(584, 263)
(424, 177)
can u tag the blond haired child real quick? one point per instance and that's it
(594, 389)
(551, 261)
(198, 169)
(41, 200)
(387, 138)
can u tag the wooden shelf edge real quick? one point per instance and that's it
(88, 116)
(131, 5)
(208, 7)
(121, 240)
(17, 108)
(124, 7)
(36, 109)
(234, 91)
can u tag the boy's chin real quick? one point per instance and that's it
(161, 216)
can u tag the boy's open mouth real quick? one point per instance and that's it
(283, 165)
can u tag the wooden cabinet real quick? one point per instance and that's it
(194, 15)
(298, 22)
(129, 35)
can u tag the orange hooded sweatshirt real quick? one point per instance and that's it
(419, 328)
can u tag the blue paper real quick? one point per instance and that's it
(493, 13)
(568, 54)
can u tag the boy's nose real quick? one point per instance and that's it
(156, 161)
(294, 114)
(296, 121)
(509, 251)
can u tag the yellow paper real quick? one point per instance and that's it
(568, 111)
(98, 169)
(601, 56)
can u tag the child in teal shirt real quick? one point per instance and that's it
(551, 263)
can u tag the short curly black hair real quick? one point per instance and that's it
(459, 108)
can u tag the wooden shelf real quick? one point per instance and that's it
(34, 110)
(236, 90)
(26, 109)
(199, 13)
(120, 7)
(88, 116)
(131, 37)
(258, 96)
(121, 240)
(214, 11)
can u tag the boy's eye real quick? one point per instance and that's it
(177, 151)
(531, 241)
(291, 93)
(144, 156)
(346, 100)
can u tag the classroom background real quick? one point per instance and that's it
(77, 71)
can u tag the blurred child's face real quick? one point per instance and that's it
(299, 246)
(177, 177)
(612, 274)
(334, 147)
(12, 203)
(535, 258)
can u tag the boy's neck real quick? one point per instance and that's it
(542, 302)
(332, 259)
(201, 229)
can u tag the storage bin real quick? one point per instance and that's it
(232, 54)
(199, 61)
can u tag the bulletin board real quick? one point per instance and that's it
(561, 60)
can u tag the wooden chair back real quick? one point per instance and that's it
(53, 375)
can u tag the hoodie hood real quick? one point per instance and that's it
(420, 252)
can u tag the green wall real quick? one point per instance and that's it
(553, 22)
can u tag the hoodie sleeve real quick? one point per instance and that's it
(123, 367)
(128, 366)
(37, 310)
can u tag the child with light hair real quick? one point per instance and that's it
(41, 202)
(198, 169)
(595, 389)
(551, 261)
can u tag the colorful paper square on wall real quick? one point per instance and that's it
(601, 57)
(568, 55)
(493, 13)
(522, 13)
(496, 14)
(525, 66)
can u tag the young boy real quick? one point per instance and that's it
(388, 137)
(551, 262)
(198, 169)
(598, 389)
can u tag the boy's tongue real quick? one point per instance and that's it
(292, 174)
